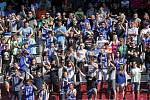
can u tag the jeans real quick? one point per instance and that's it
(17, 94)
(92, 91)
(135, 86)
(147, 65)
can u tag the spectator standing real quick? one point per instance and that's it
(51, 39)
(91, 10)
(26, 31)
(44, 93)
(70, 70)
(103, 60)
(122, 48)
(17, 78)
(121, 80)
(114, 44)
(72, 92)
(64, 85)
(135, 80)
(7, 59)
(38, 80)
(15, 46)
(136, 19)
(29, 89)
(34, 67)
(133, 32)
(61, 35)
(147, 58)
(103, 30)
(91, 77)
(32, 45)
(112, 78)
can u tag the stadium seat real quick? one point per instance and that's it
(54, 96)
(104, 87)
(128, 88)
(98, 87)
(143, 96)
(104, 96)
(83, 87)
(128, 96)
(119, 96)
(104, 91)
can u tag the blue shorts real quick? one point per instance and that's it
(135, 86)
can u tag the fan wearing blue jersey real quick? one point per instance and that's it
(44, 93)
(29, 90)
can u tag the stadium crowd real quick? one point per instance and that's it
(45, 50)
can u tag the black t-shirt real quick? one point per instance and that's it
(137, 60)
(147, 56)
(34, 69)
(91, 83)
(54, 71)
(130, 57)
(71, 41)
(88, 43)
(6, 56)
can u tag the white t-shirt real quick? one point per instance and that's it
(70, 71)
(144, 31)
(82, 53)
(92, 69)
(136, 72)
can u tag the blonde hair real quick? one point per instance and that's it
(121, 67)
(88, 26)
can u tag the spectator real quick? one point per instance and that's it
(145, 19)
(26, 31)
(23, 11)
(114, 44)
(44, 94)
(72, 92)
(15, 46)
(103, 30)
(147, 55)
(93, 22)
(32, 45)
(54, 76)
(135, 79)
(136, 19)
(17, 77)
(38, 80)
(112, 78)
(47, 2)
(121, 80)
(64, 86)
(29, 90)
(91, 10)
(51, 39)
(61, 34)
(34, 67)
(12, 23)
(91, 78)
(122, 48)
(70, 70)
(83, 22)
(103, 58)
(94, 45)
(79, 13)
(133, 32)
(82, 53)
(7, 59)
